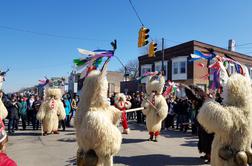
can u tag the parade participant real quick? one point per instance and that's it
(51, 111)
(3, 110)
(4, 159)
(2, 77)
(123, 105)
(97, 135)
(155, 106)
(231, 123)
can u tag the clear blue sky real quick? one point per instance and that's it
(30, 56)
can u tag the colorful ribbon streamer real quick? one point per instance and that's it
(199, 55)
(91, 62)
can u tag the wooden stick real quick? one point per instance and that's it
(42, 132)
(135, 109)
(150, 103)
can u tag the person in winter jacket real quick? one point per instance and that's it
(23, 112)
(35, 108)
(67, 105)
(13, 108)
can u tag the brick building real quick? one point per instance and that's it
(179, 69)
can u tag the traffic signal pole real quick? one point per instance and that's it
(163, 56)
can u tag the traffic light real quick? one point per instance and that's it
(152, 49)
(143, 37)
(114, 45)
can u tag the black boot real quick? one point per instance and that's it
(155, 140)
(80, 157)
(151, 138)
(90, 158)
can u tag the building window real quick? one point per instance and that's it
(179, 68)
(211, 71)
(145, 68)
(175, 68)
(182, 67)
(158, 67)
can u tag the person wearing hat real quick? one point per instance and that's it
(4, 159)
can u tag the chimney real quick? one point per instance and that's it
(231, 45)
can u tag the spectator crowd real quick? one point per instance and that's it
(22, 110)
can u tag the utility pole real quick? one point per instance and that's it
(163, 71)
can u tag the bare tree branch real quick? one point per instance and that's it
(132, 69)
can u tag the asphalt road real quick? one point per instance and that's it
(29, 148)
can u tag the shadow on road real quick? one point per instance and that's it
(70, 134)
(67, 139)
(176, 133)
(129, 141)
(192, 143)
(157, 160)
(137, 126)
(25, 134)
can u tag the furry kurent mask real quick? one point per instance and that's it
(155, 84)
(2, 79)
(237, 91)
(51, 96)
(120, 97)
(95, 86)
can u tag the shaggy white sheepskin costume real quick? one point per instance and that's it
(96, 133)
(231, 123)
(51, 111)
(1, 80)
(155, 106)
(123, 105)
(3, 110)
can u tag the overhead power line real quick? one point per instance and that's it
(49, 34)
(244, 44)
(248, 52)
(135, 11)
